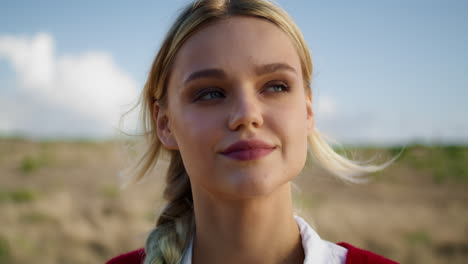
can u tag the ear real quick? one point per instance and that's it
(310, 113)
(164, 132)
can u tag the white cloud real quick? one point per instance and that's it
(71, 95)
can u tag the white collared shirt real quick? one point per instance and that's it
(316, 250)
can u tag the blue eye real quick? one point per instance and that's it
(210, 95)
(279, 87)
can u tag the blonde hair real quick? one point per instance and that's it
(175, 225)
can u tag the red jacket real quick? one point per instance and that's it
(354, 256)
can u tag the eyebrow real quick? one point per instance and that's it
(273, 67)
(206, 73)
(220, 74)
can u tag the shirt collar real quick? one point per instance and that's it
(316, 250)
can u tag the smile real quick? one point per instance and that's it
(249, 154)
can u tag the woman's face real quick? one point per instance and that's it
(238, 80)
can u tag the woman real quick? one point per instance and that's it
(228, 97)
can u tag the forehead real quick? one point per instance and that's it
(235, 45)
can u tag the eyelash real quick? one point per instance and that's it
(282, 85)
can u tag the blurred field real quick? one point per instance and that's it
(60, 202)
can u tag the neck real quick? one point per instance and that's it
(255, 230)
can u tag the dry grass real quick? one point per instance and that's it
(61, 203)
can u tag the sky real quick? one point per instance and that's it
(385, 72)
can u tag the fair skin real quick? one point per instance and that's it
(239, 79)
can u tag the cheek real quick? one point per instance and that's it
(291, 120)
(197, 135)
(196, 124)
(292, 127)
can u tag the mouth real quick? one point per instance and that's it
(249, 154)
(246, 150)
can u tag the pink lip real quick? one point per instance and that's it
(248, 150)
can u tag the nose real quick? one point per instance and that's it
(246, 112)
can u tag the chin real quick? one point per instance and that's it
(249, 185)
